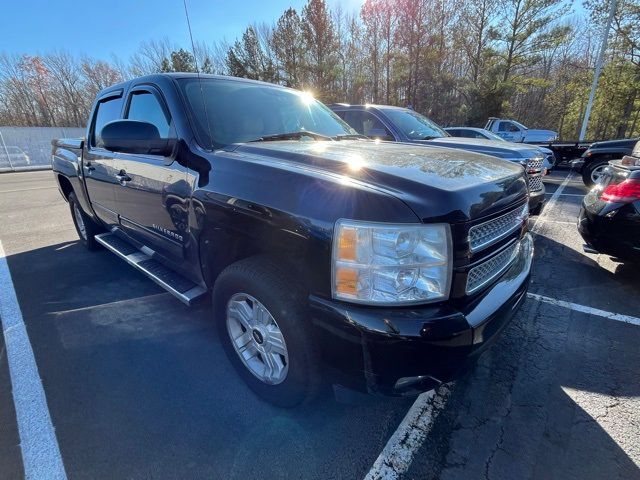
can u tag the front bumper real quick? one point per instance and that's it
(536, 199)
(406, 350)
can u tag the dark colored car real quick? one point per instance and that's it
(594, 160)
(399, 124)
(609, 219)
(381, 267)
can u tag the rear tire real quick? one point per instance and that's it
(591, 171)
(86, 228)
(259, 284)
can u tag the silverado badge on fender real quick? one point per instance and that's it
(167, 232)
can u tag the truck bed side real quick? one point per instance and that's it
(66, 164)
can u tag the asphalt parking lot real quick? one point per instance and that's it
(137, 385)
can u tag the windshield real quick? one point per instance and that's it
(235, 111)
(492, 136)
(414, 125)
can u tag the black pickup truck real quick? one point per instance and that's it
(329, 258)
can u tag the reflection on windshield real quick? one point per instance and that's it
(414, 125)
(493, 136)
(231, 111)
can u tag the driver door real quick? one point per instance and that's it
(509, 131)
(152, 198)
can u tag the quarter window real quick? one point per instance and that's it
(145, 107)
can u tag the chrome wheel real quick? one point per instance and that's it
(257, 339)
(597, 172)
(79, 221)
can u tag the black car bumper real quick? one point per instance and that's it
(536, 199)
(611, 229)
(412, 349)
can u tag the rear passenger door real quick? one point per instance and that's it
(98, 164)
(153, 199)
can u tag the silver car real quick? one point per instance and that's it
(474, 132)
(11, 156)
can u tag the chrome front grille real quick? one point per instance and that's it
(534, 164)
(482, 274)
(535, 183)
(492, 231)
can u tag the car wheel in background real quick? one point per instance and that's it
(592, 172)
(261, 318)
(86, 228)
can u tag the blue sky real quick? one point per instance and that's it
(100, 29)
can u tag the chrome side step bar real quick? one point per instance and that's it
(174, 283)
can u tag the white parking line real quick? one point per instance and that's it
(551, 203)
(584, 309)
(27, 189)
(560, 221)
(40, 451)
(399, 451)
(568, 194)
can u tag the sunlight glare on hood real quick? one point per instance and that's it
(355, 162)
(307, 98)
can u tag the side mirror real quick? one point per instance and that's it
(133, 136)
(380, 133)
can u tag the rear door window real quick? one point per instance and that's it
(106, 111)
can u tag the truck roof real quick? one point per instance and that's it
(181, 75)
(369, 105)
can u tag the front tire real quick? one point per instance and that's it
(86, 228)
(592, 171)
(261, 318)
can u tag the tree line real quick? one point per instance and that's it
(457, 61)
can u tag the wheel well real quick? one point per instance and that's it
(65, 186)
(602, 156)
(215, 261)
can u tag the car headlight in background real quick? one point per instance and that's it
(388, 264)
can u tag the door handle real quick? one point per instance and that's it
(123, 178)
(89, 167)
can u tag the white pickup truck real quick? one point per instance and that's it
(516, 132)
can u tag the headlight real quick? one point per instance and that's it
(387, 264)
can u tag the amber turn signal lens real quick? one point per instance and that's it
(347, 281)
(347, 244)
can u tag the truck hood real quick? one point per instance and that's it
(627, 143)
(505, 150)
(436, 183)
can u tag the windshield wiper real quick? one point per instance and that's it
(349, 136)
(430, 137)
(291, 136)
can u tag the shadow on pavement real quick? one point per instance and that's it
(138, 384)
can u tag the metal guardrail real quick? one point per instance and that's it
(29, 148)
